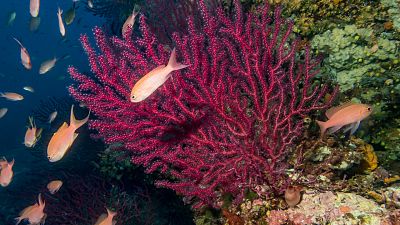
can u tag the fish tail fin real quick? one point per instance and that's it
(60, 11)
(41, 200)
(11, 164)
(173, 64)
(2, 94)
(135, 12)
(322, 125)
(111, 213)
(31, 122)
(77, 123)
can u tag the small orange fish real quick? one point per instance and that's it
(54, 186)
(11, 96)
(52, 116)
(129, 22)
(349, 114)
(60, 22)
(34, 7)
(6, 172)
(293, 195)
(25, 58)
(62, 140)
(47, 65)
(106, 219)
(34, 213)
(32, 134)
(154, 79)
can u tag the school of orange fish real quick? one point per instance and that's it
(347, 115)
(61, 140)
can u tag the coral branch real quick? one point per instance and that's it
(223, 125)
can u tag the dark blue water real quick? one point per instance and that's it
(43, 44)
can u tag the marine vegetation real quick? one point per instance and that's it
(221, 126)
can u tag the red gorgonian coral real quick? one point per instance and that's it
(226, 123)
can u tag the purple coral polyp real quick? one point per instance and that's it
(223, 125)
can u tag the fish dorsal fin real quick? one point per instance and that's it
(77, 123)
(330, 112)
(101, 218)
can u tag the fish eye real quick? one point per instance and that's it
(133, 97)
(369, 108)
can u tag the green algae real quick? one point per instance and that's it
(353, 53)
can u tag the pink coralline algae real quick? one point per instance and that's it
(223, 125)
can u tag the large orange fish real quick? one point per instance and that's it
(32, 134)
(106, 219)
(154, 79)
(62, 140)
(34, 213)
(25, 58)
(349, 114)
(6, 172)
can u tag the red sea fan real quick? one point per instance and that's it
(223, 125)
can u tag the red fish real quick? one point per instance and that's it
(25, 58)
(6, 172)
(349, 114)
(154, 79)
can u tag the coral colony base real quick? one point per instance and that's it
(223, 125)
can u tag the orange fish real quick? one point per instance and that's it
(106, 219)
(25, 58)
(54, 186)
(32, 134)
(62, 140)
(34, 7)
(60, 22)
(349, 114)
(154, 79)
(11, 96)
(34, 213)
(6, 172)
(129, 22)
